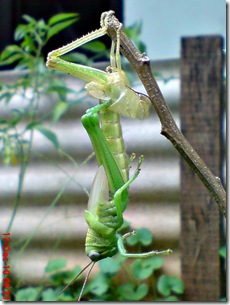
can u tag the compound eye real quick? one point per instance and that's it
(93, 255)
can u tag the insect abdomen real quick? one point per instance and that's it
(111, 128)
(107, 214)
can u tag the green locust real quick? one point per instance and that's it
(111, 87)
(109, 193)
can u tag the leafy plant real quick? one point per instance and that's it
(133, 32)
(141, 280)
(27, 56)
(223, 252)
(24, 100)
(34, 81)
(223, 255)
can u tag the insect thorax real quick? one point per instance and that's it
(98, 247)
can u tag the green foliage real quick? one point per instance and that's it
(119, 279)
(143, 237)
(223, 252)
(25, 116)
(132, 292)
(168, 285)
(223, 255)
(111, 265)
(29, 294)
(144, 280)
(140, 278)
(32, 36)
(49, 295)
(134, 33)
(55, 265)
(143, 268)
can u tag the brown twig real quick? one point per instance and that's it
(169, 129)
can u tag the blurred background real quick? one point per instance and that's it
(168, 19)
(49, 220)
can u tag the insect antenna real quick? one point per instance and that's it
(85, 281)
(77, 277)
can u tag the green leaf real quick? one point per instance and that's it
(134, 32)
(69, 275)
(61, 91)
(11, 59)
(111, 265)
(29, 294)
(41, 25)
(7, 96)
(78, 58)
(55, 264)
(99, 285)
(53, 30)
(3, 122)
(171, 298)
(22, 30)
(10, 50)
(56, 279)
(42, 31)
(168, 284)
(59, 109)
(143, 268)
(28, 44)
(64, 297)
(49, 295)
(223, 251)
(50, 135)
(143, 236)
(64, 277)
(62, 17)
(11, 54)
(129, 292)
(95, 46)
(29, 19)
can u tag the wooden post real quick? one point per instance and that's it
(201, 115)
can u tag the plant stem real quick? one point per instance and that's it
(169, 129)
(25, 157)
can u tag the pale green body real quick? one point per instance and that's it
(109, 193)
(111, 87)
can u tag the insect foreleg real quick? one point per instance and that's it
(104, 155)
(96, 109)
(122, 250)
(119, 192)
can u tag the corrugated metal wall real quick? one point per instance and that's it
(50, 215)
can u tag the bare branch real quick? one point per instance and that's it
(169, 129)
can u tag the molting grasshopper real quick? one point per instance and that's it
(109, 194)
